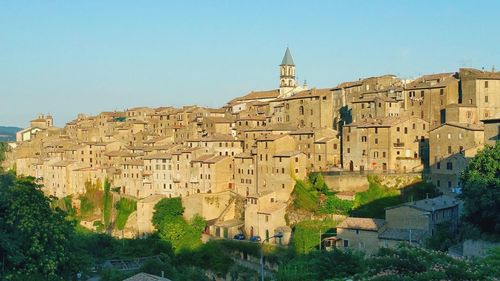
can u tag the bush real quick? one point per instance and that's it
(124, 208)
(335, 205)
(306, 234)
(303, 198)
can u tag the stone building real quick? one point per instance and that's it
(452, 145)
(391, 143)
(428, 96)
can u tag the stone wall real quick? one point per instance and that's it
(352, 182)
(477, 248)
(210, 206)
(359, 182)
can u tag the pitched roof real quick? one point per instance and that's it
(402, 234)
(287, 58)
(146, 277)
(467, 126)
(431, 204)
(362, 223)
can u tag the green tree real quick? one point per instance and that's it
(173, 228)
(481, 190)
(167, 208)
(35, 241)
(107, 202)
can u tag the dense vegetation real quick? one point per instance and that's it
(403, 263)
(36, 242)
(313, 195)
(172, 227)
(124, 208)
(481, 191)
(307, 234)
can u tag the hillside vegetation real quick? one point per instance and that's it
(313, 195)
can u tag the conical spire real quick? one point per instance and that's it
(287, 58)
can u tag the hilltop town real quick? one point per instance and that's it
(237, 165)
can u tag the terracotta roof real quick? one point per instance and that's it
(270, 94)
(431, 204)
(467, 126)
(271, 209)
(159, 156)
(310, 93)
(479, 74)
(362, 223)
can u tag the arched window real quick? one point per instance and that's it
(301, 110)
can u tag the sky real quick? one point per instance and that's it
(69, 57)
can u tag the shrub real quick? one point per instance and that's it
(124, 208)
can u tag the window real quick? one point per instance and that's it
(486, 84)
(357, 231)
(438, 165)
(406, 130)
(441, 92)
(449, 166)
(376, 141)
(376, 130)
(346, 243)
(486, 99)
(449, 149)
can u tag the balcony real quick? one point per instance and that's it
(399, 144)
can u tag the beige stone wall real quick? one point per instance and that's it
(210, 206)
(359, 240)
(407, 217)
(145, 210)
(447, 145)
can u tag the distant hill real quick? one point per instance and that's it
(8, 133)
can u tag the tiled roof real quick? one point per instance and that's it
(402, 234)
(431, 204)
(467, 126)
(362, 223)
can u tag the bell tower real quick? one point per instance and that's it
(287, 74)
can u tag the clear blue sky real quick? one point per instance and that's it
(64, 57)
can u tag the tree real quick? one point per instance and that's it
(35, 241)
(173, 228)
(481, 190)
(167, 208)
